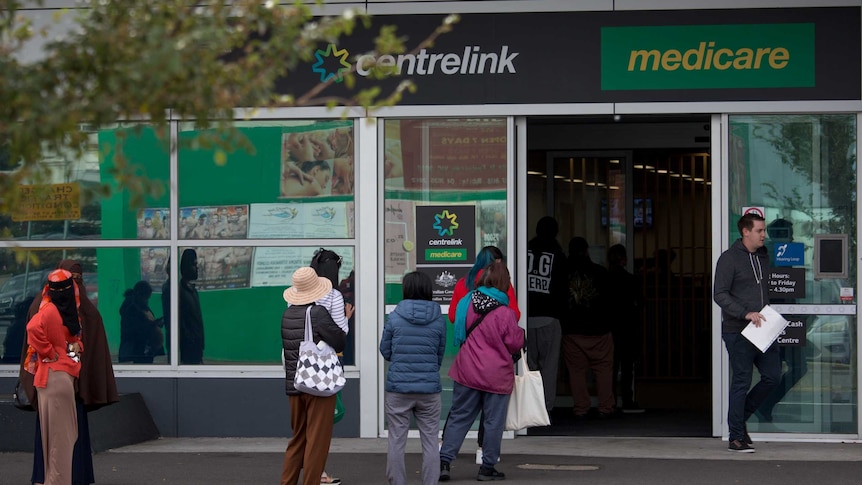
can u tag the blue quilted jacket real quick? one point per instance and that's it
(414, 339)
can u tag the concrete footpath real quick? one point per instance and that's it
(525, 460)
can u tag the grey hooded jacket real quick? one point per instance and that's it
(740, 285)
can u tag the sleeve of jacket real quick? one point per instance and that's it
(514, 335)
(513, 301)
(458, 293)
(386, 340)
(722, 287)
(441, 347)
(37, 337)
(326, 329)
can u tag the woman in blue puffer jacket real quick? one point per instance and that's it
(414, 340)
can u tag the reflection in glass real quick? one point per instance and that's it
(69, 206)
(802, 170)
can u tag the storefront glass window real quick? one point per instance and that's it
(801, 172)
(445, 199)
(294, 180)
(69, 205)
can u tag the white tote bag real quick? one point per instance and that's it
(527, 402)
(318, 370)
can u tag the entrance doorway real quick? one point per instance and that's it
(644, 183)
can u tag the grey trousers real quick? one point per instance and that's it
(426, 409)
(543, 353)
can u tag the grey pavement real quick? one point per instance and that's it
(525, 460)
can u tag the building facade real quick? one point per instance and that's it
(654, 124)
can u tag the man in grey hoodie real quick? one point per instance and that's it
(741, 291)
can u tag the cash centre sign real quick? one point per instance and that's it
(708, 56)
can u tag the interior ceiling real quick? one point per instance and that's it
(609, 119)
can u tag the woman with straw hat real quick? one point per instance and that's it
(311, 417)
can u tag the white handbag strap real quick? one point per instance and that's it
(308, 334)
(522, 364)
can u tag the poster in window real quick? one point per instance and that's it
(316, 162)
(274, 266)
(324, 220)
(154, 223)
(214, 222)
(154, 266)
(453, 154)
(221, 268)
(399, 246)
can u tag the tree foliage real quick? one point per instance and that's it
(157, 59)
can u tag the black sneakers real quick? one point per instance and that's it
(444, 471)
(739, 447)
(488, 474)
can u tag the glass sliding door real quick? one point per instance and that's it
(800, 170)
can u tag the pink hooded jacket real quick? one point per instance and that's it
(484, 361)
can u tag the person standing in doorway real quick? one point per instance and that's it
(626, 325)
(414, 341)
(741, 291)
(547, 293)
(587, 340)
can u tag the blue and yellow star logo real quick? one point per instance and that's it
(322, 55)
(445, 223)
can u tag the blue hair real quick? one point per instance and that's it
(486, 256)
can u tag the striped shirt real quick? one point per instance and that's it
(334, 303)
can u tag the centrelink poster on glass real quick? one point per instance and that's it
(445, 245)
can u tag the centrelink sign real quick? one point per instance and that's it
(471, 61)
(611, 56)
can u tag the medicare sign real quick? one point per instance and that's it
(708, 56)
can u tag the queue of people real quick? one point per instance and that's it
(66, 367)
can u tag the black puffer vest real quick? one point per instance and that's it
(293, 332)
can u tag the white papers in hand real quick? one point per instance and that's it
(769, 330)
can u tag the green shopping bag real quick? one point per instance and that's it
(339, 408)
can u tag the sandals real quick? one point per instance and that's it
(326, 479)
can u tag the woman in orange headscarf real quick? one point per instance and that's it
(96, 384)
(54, 339)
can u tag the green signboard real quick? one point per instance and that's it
(708, 56)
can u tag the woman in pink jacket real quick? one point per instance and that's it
(482, 370)
(53, 335)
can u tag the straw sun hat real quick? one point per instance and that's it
(307, 287)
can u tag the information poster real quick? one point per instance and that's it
(299, 220)
(445, 245)
(274, 266)
(400, 244)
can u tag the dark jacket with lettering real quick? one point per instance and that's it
(293, 333)
(547, 279)
(740, 285)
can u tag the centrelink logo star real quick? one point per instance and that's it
(445, 223)
(323, 55)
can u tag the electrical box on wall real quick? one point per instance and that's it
(830, 256)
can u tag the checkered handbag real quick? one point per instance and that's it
(318, 370)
